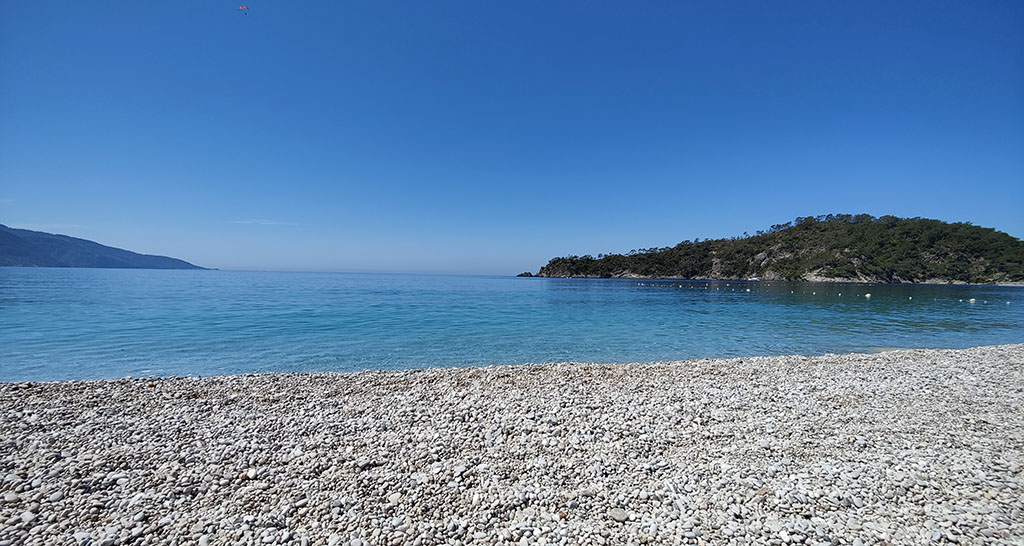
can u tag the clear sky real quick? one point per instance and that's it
(488, 137)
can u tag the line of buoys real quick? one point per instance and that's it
(814, 293)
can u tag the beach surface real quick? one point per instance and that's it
(900, 447)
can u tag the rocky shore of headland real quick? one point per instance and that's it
(809, 278)
(903, 447)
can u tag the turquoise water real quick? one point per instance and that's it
(105, 323)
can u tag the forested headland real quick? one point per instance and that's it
(833, 247)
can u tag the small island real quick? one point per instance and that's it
(826, 248)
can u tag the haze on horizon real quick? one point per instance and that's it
(463, 137)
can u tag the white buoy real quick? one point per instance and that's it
(867, 296)
(748, 290)
(972, 300)
(910, 297)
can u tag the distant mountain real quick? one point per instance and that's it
(834, 247)
(22, 247)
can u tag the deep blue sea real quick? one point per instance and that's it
(110, 323)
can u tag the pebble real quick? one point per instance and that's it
(618, 514)
(831, 449)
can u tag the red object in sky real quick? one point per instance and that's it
(243, 7)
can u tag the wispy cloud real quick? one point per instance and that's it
(5, 201)
(265, 222)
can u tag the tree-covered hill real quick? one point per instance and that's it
(26, 248)
(834, 247)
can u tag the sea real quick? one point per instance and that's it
(69, 324)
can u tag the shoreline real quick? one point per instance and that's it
(822, 280)
(904, 446)
(337, 375)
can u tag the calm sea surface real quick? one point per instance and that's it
(105, 323)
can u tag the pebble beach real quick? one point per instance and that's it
(898, 447)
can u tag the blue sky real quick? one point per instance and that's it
(487, 137)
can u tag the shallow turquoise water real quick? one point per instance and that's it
(105, 323)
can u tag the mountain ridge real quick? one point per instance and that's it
(825, 248)
(27, 248)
